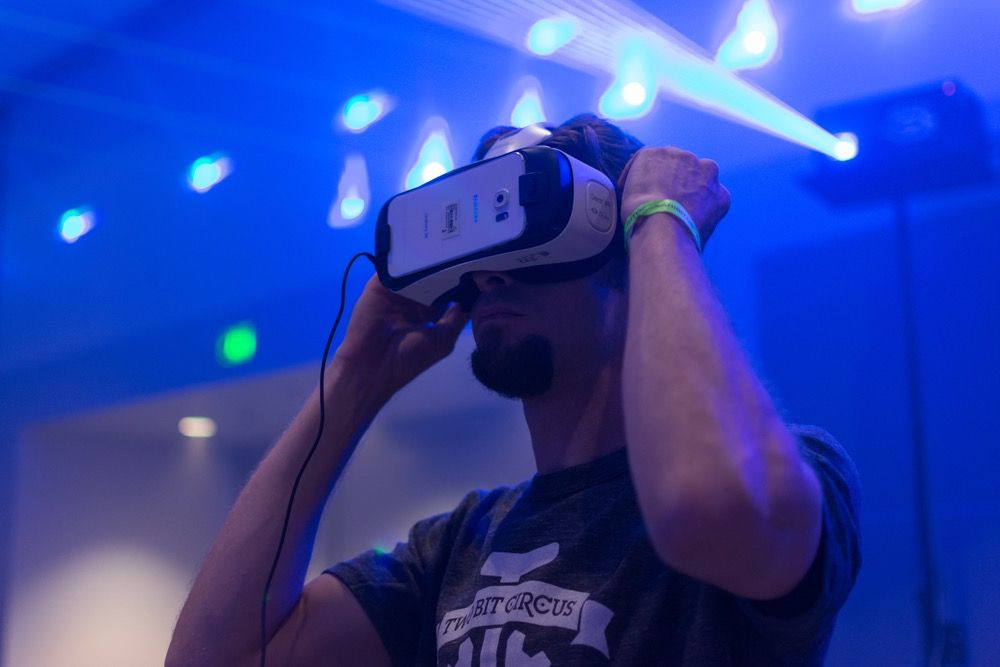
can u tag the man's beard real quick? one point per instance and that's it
(516, 370)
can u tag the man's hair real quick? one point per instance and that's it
(598, 143)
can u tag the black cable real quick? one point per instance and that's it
(312, 450)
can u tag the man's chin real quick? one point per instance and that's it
(516, 369)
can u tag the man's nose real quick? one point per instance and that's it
(487, 281)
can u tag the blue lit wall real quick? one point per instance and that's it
(831, 335)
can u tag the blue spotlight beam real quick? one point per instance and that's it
(682, 69)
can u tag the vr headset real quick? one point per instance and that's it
(529, 210)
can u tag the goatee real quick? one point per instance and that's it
(516, 370)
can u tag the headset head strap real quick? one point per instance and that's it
(529, 135)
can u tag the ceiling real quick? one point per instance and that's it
(32, 33)
(826, 55)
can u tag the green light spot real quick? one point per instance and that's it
(237, 345)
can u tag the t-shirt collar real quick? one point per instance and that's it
(575, 478)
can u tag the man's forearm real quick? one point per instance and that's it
(220, 621)
(719, 479)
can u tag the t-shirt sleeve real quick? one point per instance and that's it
(808, 612)
(398, 589)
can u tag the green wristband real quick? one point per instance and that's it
(670, 206)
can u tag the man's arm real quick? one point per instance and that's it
(389, 341)
(722, 488)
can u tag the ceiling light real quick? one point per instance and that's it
(846, 147)
(76, 222)
(197, 427)
(434, 158)
(547, 36)
(528, 108)
(754, 41)
(207, 172)
(868, 7)
(352, 194)
(363, 110)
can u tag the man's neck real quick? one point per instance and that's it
(577, 421)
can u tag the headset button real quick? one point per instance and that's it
(599, 207)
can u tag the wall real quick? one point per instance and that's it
(110, 527)
(815, 293)
(105, 537)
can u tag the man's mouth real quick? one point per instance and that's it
(495, 314)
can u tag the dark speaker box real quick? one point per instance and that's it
(909, 142)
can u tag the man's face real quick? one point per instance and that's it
(532, 337)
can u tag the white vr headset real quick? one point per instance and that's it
(529, 210)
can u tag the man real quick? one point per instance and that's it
(675, 519)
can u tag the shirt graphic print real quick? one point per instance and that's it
(517, 598)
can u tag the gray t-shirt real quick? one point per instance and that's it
(559, 570)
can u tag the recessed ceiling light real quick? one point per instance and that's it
(197, 427)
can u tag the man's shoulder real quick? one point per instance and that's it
(472, 507)
(829, 458)
(481, 502)
(815, 433)
(822, 449)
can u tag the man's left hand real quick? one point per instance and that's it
(659, 173)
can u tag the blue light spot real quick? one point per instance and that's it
(632, 93)
(361, 111)
(205, 175)
(549, 35)
(846, 147)
(528, 109)
(625, 100)
(433, 161)
(865, 7)
(74, 223)
(72, 228)
(432, 170)
(207, 172)
(754, 41)
(353, 194)
(351, 208)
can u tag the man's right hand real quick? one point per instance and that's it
(391, 339)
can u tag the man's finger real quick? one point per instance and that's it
(447, 329)
(711, 169)
(454, 319)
